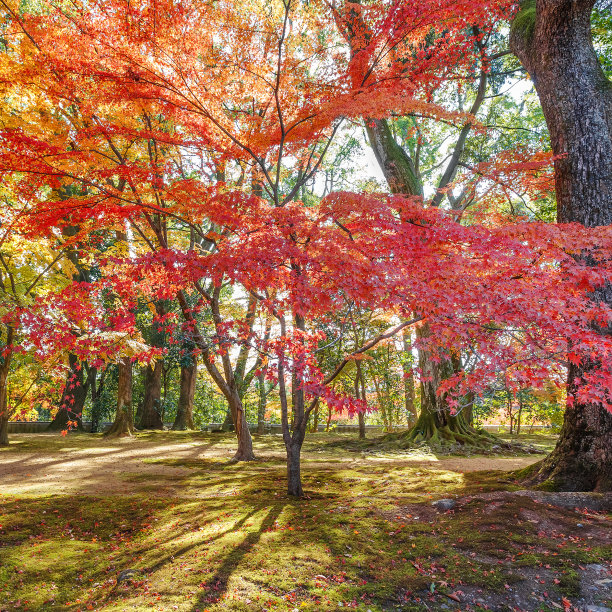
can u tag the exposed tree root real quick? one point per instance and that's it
(446, 430)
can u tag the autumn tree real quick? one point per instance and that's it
(162, 94)
(554, 43)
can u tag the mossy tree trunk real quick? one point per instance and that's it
(402, 175)
(552, 39)
(436, 424)
(184, 411)
(150, 417)
(124, 418)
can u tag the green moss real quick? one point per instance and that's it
(524, 23)
(225, 537)
(569, 583)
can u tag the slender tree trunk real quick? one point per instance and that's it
(552, 39)
(226, 381)
(73, 398)
(151, 405)
(243, 435)
(329, 419)
(124, 419)
(4, 415)
(362, 429)
(409, 390)
(184, 412)
(314, 427)
(360, 394)
(261, 405)
(294, 477)
(96, 394)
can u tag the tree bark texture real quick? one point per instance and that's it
(552, 39)
(124, 418)
(150, 417)
(184, 411)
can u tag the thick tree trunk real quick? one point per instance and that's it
(582, 459)
(151, 413)
(73, 398)
(402, 177)
(552, 39)
(184, 412)
(124, 419)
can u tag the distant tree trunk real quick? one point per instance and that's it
(245, 442)
(4, 421)
(402, 177)
(184, 412)
(468, 411)
(329, 418)
(5, 364)
(4, 415)
(436, 424)
(262, 402)
(314, 427)
(228, 422)
(151, 413)
(552, 39)
(73, 398)
(409, 390)
(518, 417)
(96, 394)
(124, 419)
(360, 394)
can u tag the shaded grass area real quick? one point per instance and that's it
(228, 538)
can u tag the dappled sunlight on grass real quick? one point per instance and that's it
(199, 532)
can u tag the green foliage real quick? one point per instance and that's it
(601, 26)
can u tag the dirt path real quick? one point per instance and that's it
(88, 465)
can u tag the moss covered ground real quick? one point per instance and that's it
(165, 522)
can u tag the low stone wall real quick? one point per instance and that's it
(274, 428)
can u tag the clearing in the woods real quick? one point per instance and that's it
(164, 521)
